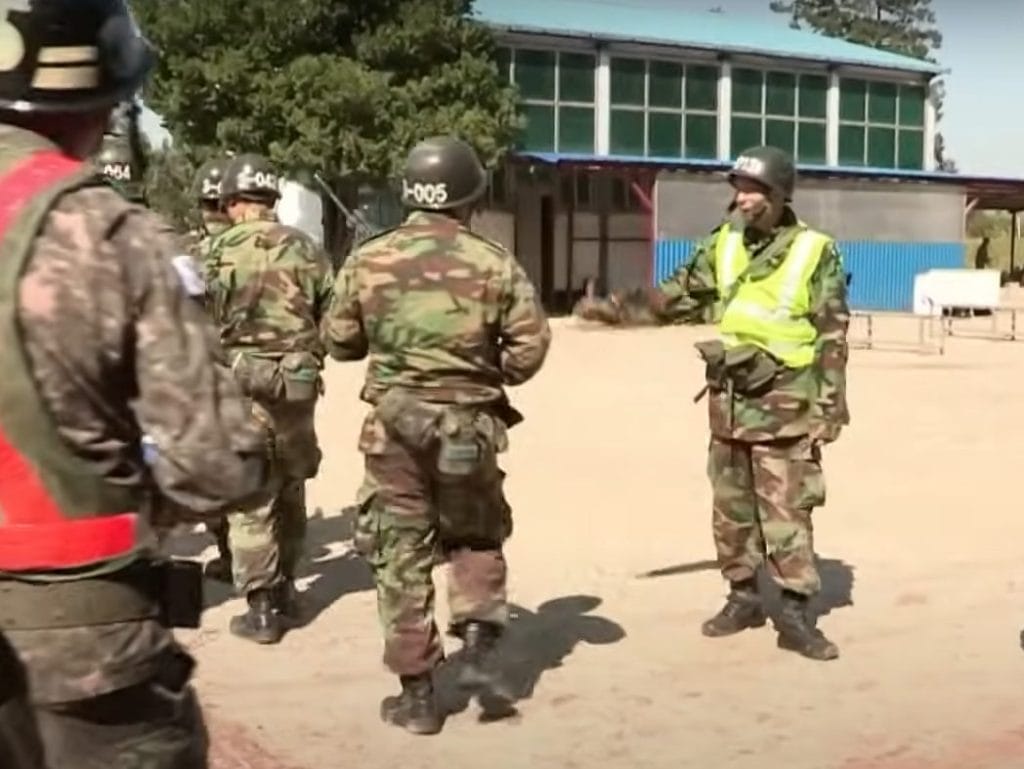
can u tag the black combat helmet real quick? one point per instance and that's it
(206, 187)
(69, 55)
(770, 166)
(442, 173)
(117, 163)
(250, 176)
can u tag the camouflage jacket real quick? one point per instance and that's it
(801, 397)
(119, 350)
(268, 288)
(440, 311)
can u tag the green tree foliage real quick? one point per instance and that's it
(342, 87)
(168, 185)
(900, 26)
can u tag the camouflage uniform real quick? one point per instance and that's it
(270, 285)
(764, 459)
(447, 319)
(101, 345)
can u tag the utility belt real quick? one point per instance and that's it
(459, 433)
(271, 378)
(169, 591)
(746, 370)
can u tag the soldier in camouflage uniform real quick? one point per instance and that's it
(100, 344)
(447, 319)
(777, 383)
(206, 192)
(269, 286)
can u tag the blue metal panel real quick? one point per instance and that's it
(669, 255)
(632, 22)
(883, 273)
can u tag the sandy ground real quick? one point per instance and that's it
(612, 572)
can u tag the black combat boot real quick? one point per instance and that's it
(260, 623)
(219, 569)
(286, 601)
(742, 610)
(797, 632)
(415, 709)
(481, 671)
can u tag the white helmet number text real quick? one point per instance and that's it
(260, 179)
(121, 172)
(426, 194)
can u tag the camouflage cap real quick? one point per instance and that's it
(769, 166)
(442, 173)
(70, 55)
(250, 175)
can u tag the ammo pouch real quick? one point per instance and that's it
(292, 377)
(168, 591)
(747, 369)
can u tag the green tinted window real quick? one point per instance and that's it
(851, 145)
(911, 150)
(666, 84)
(813, 96)
(627, 132)
(628, 81)
(881, 147)
(702, 88)
(503, 58)
(701, 137)
(576, 129)
(781, 134)
(851, 99)
(746, 133)
(576, 77)
(746, 91)
(780, 94)
(912, 100)
(664, 134)
(535, 74)
(539, 134)
(811, 143)
(882, 103)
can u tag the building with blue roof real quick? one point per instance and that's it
(632, 113)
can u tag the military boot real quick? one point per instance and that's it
(260, 623)
(415, 709)
(742, 610)
(286, 601)
(797, 632)
(219, 569)
(481, 671)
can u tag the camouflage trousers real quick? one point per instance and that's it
(156, 724)
(267, 542)
(763, 495)
(413, 516)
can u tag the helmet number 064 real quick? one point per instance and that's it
(426, 194)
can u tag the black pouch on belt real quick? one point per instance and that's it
(182, 597)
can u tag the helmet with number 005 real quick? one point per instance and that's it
(769, 166)
(442, 173)
(250, 175)
(69, 55)
(206, 187)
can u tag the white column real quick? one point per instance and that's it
(725, 111)
(929, 132)
(832, 120)
(602, 102)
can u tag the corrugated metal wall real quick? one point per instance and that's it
(883, 273)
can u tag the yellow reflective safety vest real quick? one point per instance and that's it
(772, 312)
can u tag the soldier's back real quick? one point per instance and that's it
(432, 294)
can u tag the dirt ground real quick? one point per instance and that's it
(612, 571)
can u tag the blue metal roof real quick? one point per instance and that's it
(624, 21)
